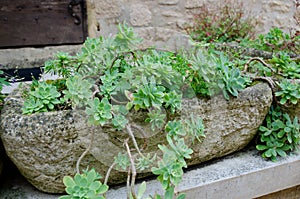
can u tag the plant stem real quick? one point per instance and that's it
(117, 101)
(107, 176)
(143, 133)
(128, 184)
(108, 172)
(86, 150)
(133, 169)
(129, 130)
(257, 59)
(271, 83)
(95, 92)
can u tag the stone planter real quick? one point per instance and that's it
(46, 146)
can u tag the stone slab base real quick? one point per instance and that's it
(241, 175)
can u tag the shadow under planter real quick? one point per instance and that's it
(46, 146)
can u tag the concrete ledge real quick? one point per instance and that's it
(241, 175)
(29, 57)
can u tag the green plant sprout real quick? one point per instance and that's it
(84, 186)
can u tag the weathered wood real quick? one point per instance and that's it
(35, 22)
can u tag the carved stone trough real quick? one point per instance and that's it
(46, 146)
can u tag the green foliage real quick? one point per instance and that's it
(125, 38)
(289, 92)
(99, 111)
(119, 121)
(61, 65)
(3, 81)
(170, 167)
(276, 40)
(169, 194)
(141, 191)
(84, 186)
(169, 171)
(232, 81)
(41, 99)
(285, 66)
(144, 162)
(279, 135)
(224, 23)
(109, 82)
(110, 77)
(210, 72)
(32, 106)
(156, 65)
(291, 70)
(148, 95)
(172, 100)
(157, 119)
(78, 91)
(194, 128)
(203, 73)
(122, 161)
(174, 129)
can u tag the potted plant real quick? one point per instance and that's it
(143, 113)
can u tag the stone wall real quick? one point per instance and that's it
(163, 22)
(160, 22)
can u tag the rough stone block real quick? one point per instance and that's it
(46, 146)
(140, 15)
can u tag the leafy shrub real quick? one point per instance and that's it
(279, 135)
(224, 23)
(277, 41)
(285, 66)
(212, 72)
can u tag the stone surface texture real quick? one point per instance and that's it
(160, 23)
(46, 146)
